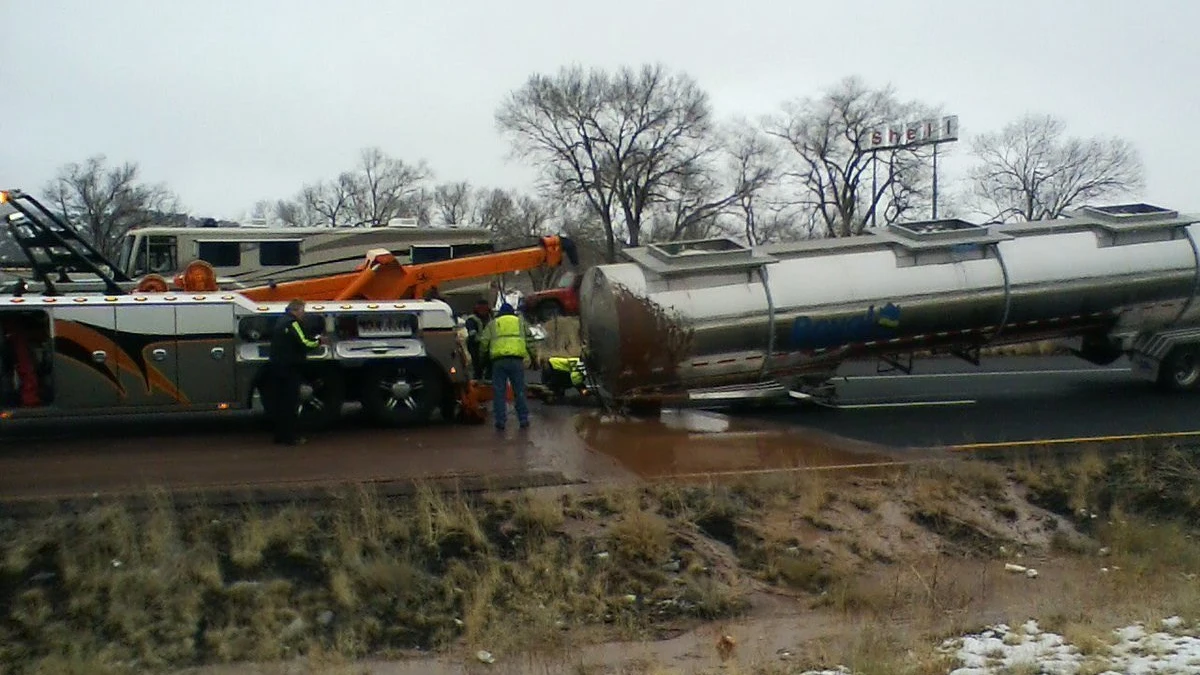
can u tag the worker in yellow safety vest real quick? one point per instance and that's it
(507, 343)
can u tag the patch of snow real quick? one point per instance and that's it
(1134, 651)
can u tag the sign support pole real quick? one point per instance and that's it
(909, 136)
(874, 187)
(935, 167)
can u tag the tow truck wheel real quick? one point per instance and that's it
(1180, 371)
(322, 395)
(402, 393)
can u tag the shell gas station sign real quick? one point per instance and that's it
(924, 132)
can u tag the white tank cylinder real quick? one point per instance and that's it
(709, 314)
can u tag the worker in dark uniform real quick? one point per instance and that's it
(507, 342)
(476, 323)
(290, 345)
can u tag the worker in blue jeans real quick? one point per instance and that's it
(507, 343)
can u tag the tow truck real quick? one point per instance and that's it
(82, 338)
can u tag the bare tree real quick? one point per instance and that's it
(264, 212)
(515, 220)
(421, 206)
(331, 201)
(378, 189)
(453, 202)
(622, 142)
(105, 202)
(585, 229)
(688, 210)
(753, 163)
(1030, 171)
(848, 186)
(384, 188)
(704, 199)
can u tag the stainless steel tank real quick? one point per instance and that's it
(710, 314)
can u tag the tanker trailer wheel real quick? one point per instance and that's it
(1180, 371)
(402, 393)
(322, 395)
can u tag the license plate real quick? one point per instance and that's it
(384, 326)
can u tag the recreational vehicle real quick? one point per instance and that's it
(253, 256)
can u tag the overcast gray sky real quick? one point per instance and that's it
(229, 102)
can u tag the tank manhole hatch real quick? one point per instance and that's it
(681, 257)
(927, 228)
(1127, 210)
(1139, 216)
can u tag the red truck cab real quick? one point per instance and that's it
(560, 300)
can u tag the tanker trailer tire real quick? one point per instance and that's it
(1180, 371)
(402, 393)
(1098, 351)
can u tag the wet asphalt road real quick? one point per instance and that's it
(943, 403)
(1005, 399)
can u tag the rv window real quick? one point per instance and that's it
(428, 254)
(279, 253)
(220, 253)
(162, 255)
(126, 257)
(461, 250)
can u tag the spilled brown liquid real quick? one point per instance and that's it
(692, 443)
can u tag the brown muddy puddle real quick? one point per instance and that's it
(688, 443)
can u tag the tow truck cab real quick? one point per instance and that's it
(560, 300)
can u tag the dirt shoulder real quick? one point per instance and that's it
(776, 573)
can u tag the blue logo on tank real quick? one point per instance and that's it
(809, 333)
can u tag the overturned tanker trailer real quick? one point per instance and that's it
(714, 323)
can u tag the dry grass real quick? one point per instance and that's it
(1157, 482)
(173, 587)
(889, 563)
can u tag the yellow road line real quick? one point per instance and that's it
(1080, 439)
